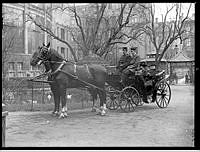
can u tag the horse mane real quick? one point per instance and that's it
(58, 56)
(53, 51)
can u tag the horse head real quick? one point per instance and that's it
(41, 55)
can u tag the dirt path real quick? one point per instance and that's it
(147, 126)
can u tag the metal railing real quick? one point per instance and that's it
(23, 73)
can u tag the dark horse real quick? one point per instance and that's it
(64, 75)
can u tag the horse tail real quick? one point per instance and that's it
(113, 81)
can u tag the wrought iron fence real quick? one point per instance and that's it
(34, 94)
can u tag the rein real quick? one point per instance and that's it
(60, 62)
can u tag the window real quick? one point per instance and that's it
(135, 20)
(63, 51)
(67, 37)
(57, 48)
(58, 32)
(72, 22)
(109, 6)
(19, 65)
(62, 33)
(188, 42)
(67, 53)
(34, 68)
(11, 66)
(188, 28)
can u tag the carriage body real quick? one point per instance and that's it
(128, 97)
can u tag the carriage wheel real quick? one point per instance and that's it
(129, 97)
(112, 98)
(163, 94)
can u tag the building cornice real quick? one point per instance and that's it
(19, 6)
(33, 10)
(18, 54)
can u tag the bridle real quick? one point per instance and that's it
(43, 54)
(47, 54)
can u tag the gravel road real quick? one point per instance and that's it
(147, 126)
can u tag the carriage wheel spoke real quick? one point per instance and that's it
(132, 105)
(164, 86)
(114, 103)
(159, 100)
(128, 98)
(163, 95)
(163, 102)
(126, 105)
(167, 100)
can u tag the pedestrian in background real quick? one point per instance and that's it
(186, 78)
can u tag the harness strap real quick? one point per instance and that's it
(87, 68)
(59, 68)
(75, 69)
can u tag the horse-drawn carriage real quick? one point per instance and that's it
(63, 74)
(128, 97)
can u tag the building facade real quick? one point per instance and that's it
(27, 36)
(143, 44)
(61, 23)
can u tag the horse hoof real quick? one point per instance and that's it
(93, 110)
(65, 114)
(55, 113)
(61, 117)
(103, 113)
(98, 111)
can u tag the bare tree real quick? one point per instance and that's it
(102, 29)
(9, 32)
(97, 29)
(163, 34)
(49, 30)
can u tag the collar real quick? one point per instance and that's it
(60, 66)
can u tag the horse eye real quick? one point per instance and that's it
(44, 51)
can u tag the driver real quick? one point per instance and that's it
(139, 82)
(124, 60)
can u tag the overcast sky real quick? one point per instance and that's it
(162, 7)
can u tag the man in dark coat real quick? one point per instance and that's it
(138, 80)
(131, 63)
(124, 60)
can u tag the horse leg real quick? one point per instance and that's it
(94, 98)
(56, 99)
(102, 96)
(63, 101)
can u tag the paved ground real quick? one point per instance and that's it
(147, 126)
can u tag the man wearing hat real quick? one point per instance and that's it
(135, 58)
(139, 80)
(140, 83)
(124, 60)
